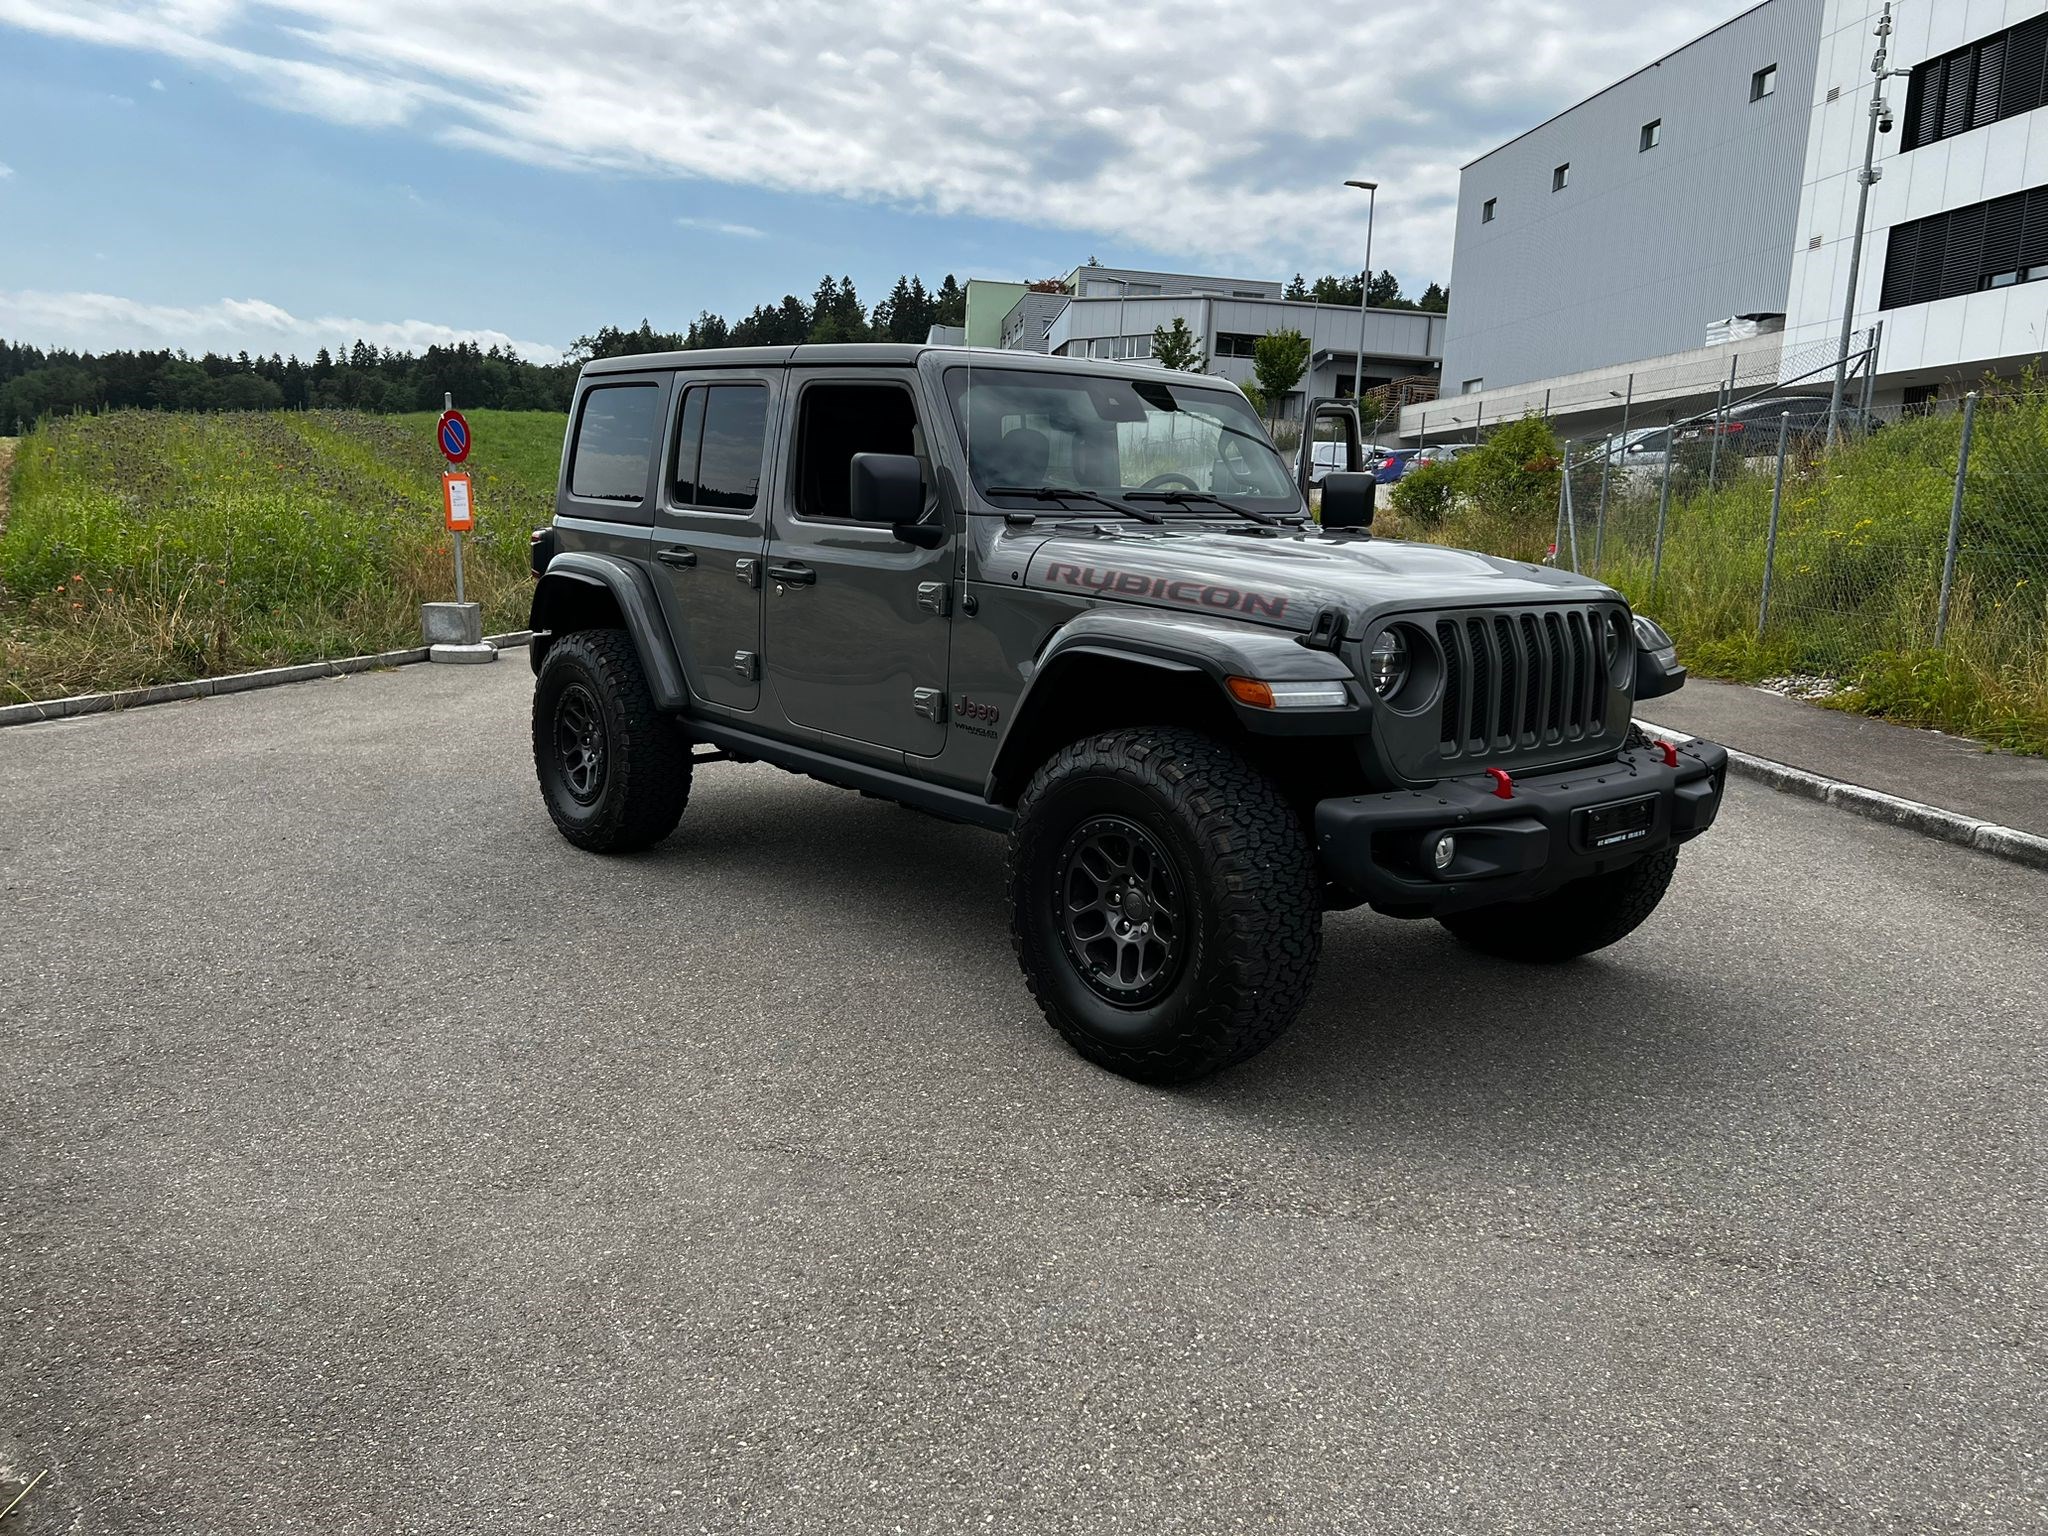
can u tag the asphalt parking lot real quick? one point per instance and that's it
(373, 1161)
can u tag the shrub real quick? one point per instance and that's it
(1425, 495)
(1512, 478)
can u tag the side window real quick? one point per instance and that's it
(721, 436)
(614, 439)
(836, 421)
(682, 480)
(735, 435)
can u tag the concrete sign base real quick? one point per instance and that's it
(451, 623)
(463, 653)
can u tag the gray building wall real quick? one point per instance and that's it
(1642, 250)
(1108, 282)
(1024, 327)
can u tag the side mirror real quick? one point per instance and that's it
(1348, 500)
(889, 488)
(1657, 669)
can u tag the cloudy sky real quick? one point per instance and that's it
(283, 174)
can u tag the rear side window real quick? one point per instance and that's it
(614, 441)
(720, 442)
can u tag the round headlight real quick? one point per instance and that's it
(1386, 664)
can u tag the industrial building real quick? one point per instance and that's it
(1695, 221)
(1111, 312)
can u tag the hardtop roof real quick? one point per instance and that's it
(883, 354)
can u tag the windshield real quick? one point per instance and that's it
(1113, 436)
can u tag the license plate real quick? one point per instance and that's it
(1614, 826)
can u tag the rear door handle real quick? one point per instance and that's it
(676, 555)
(793, 575)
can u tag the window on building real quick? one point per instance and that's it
(1653, 135)
(1561, 178)
(614, 441)
(1994, 244)
(719, 441)
(1763, 83)
(1472, 386)
(1996, 77)
(1236, 344)
(1488, 209)
(837, 421)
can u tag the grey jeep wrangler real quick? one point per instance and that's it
(1085, 604)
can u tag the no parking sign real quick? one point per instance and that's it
(451, 432)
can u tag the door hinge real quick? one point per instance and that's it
(746, 665)
(929, 702)
(935, 597)
(748, 571)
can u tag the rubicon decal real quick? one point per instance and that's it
(1168, 589)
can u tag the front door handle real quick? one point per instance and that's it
(677, 556)
(793, 575)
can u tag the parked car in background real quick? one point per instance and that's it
(1752, 427)
(1639, 445)
(1328, 458)
(1386, 465)
(1439, 453)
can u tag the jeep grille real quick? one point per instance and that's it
(1532, 680)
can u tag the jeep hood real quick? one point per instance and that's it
(1287, 579)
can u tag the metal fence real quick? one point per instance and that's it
(1646, 398)
(1902, 531)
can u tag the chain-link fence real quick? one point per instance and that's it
(1900, 550)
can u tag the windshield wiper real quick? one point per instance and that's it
(1068, 493)
(1182, 498)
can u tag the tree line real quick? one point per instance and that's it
(1386, 293)
(36, 382)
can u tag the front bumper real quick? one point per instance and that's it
(1556, 828)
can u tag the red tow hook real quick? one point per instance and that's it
(1670, 753)
(1503, 786)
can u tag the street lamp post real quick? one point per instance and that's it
(1371, 189)
(1880, 122)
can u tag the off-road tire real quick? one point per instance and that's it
(1248, 883)
(1574, 920)
(643, 781)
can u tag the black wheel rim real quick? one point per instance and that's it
(1121, 907)
(579, 743)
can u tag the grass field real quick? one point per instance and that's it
(144, 548)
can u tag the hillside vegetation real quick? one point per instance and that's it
(1856, 581)
(146, 547)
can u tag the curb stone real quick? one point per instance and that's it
(1894, 810)
(234, 682)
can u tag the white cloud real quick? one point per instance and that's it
(156, 85)
(714, 227)
(103, 321)
(1219, 130)
(6, 170)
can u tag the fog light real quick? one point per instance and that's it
(1445, 850)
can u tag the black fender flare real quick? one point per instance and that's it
(564, 592)
(1184, 647)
